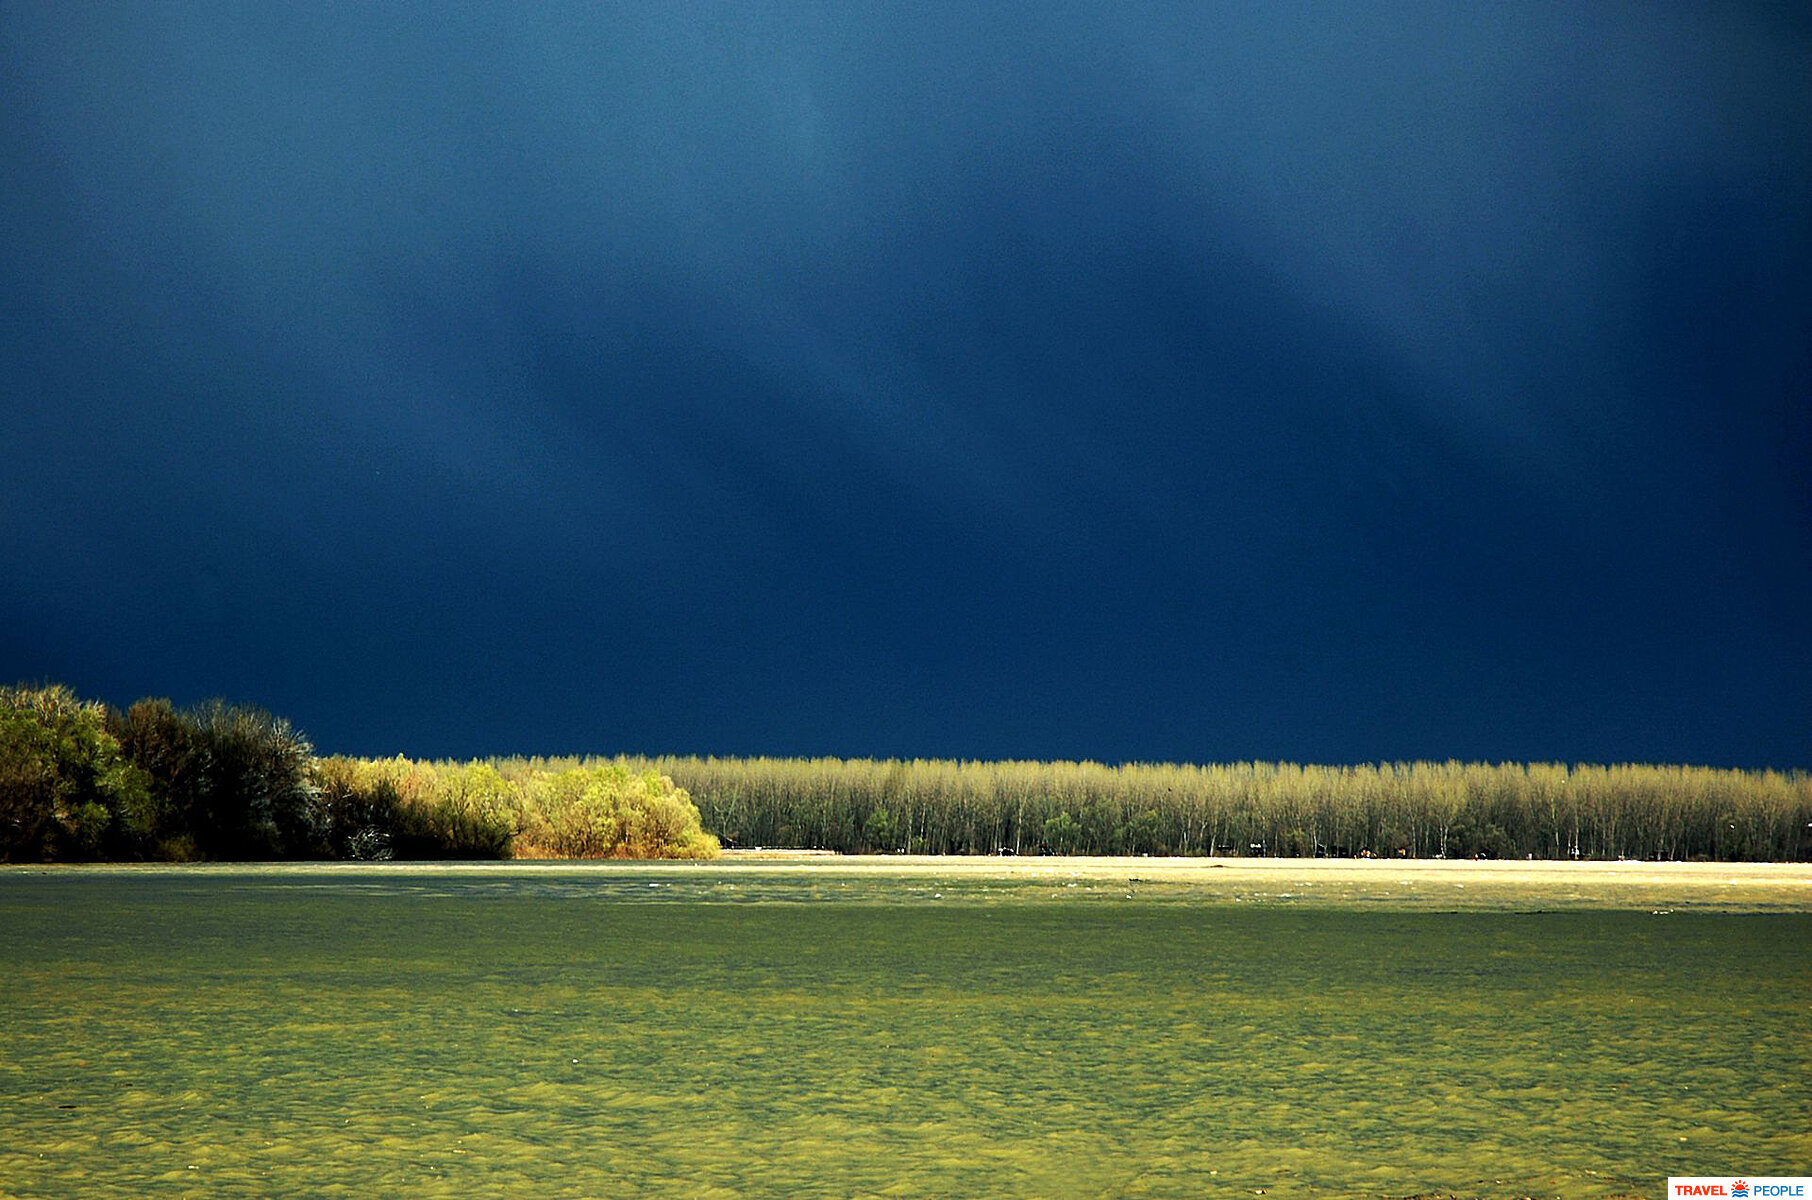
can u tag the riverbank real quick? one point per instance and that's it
(753, 876)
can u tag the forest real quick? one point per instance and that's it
(1415, 809)
(81, 780)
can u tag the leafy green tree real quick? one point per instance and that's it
(1063, 833)
(256, 798)
(881, 831)
(66, 789)
(166, 745)
(1140, 833)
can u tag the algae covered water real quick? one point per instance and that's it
(625, 1032)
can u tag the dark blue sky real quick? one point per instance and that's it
(1327, 382)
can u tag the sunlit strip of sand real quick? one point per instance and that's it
(1415, 883)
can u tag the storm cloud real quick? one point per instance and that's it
(1186, 381)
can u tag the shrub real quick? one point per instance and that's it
(1063, 833)
(255, 797)
(607, 811)
(467, 811)
(396, 808)
(359, 814)
(66, 789)
(166, 745)
(881, 831)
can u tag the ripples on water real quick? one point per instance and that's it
(685, 1032)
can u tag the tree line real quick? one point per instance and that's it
(1414, 809)
(81, 780)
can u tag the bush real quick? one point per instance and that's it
(467, 811)
(881, 832)
(606, 811)
(359, 814)
(166, 745)
(255, 796)
(395, 808)
(66, 789)
(1063, 833)
(1140, 833)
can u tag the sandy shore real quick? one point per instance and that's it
(1467, 883)
(1329, 869)
(1382, 883)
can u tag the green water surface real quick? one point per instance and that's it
(382, 1033)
